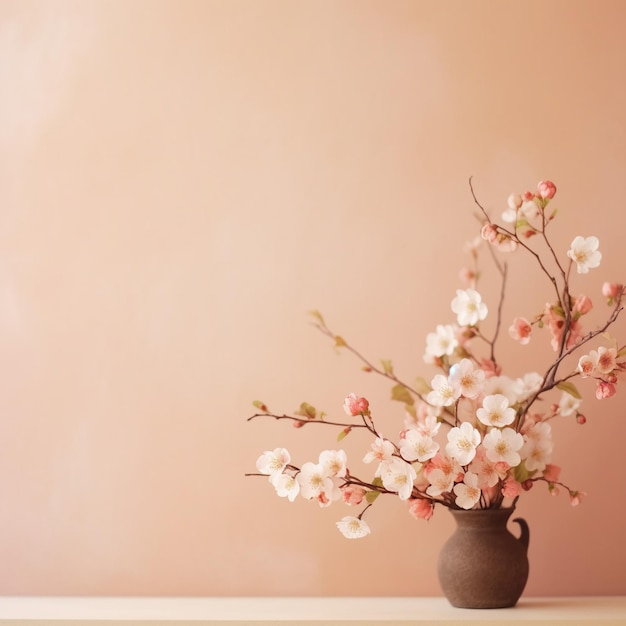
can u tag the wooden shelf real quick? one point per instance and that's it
(232, 611)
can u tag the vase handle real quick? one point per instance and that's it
(525, 532)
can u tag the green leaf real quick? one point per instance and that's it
(370, 496)
(621, 353)
(318, 316)
(387, 366)
(260, 405)
(343, 434)
(520, 473)
(307, 410)
(402, 394)
(422, 387)
(570, 388)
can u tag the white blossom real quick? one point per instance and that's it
(584, 252)
(469, 307)
(353, 528)
(462, 443)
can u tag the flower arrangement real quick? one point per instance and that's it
(473, 438)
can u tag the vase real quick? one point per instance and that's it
(482, 565)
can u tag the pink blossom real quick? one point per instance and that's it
(556, 323)
(611, 291)
(546, 189)
(520, 330)
(575, 497)
(489, 232)
(605, 390)
(354, 405)
(551, 472)
(606, 360)
(582, 305)
(511, 488)
(353, 494)
(501, 240)
(421, 508)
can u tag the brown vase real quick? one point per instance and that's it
(482, 565)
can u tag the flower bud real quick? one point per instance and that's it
(546, 189)
(582, 305)
(580, 418)
(514, 201)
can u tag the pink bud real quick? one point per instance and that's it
(605, 390)
(354, 405)
(546, 189)
(611, 290)
(582, 305)
(551, 472)
(489, 232)
(421, 508)
(581, 419)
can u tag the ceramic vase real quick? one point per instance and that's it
(483, 565)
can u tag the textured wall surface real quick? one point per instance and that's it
(182, 181)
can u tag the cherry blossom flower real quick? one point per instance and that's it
(587, 364)
(273, 462)
(380, 450)
(466, 378)
(511, 488)
(546, 189)
(497, 238)
(469, 307)
(333, 462)
(398, 475)
(416, 446)
(314, 482)
(514, 203)
(502, 385)
(584, 252)
(607, 360)
(354, 405)
(503, 445)
(467, 492)
(286, 486)
(582, 305)
(526, 386)
(489, 473)
(537, 447)
(353, 528)
(605, 390)
(575, 497)
(443, 393)
(353, 494)
(521, 330)
(568, 405)
(496, 411)
(442, 342)
(428, 425)
(551, 472)
(611, 291)
(421, 508)
(462, 443)
(440, 482)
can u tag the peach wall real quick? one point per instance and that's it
(180, 182)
